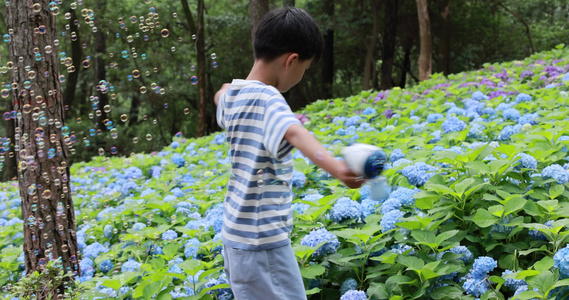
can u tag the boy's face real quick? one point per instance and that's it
(293, 74)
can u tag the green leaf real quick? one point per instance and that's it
(555, 190)
(447, 292)
(484, 219)
(514, 205)
(526, 273)
(377, 290)
(478, 167)
(546, 263)
(445, 236)
(410, 262)
(543, 281)
(114, 284)
(313, 291)
(151, 289)
(461, 186)
(170, 250)
(312, 271)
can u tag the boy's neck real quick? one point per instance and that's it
(264, 72)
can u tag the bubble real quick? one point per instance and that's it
(186, 111)
(48, 49)
(114, 150)
(129, 39)
(86, 64)
(36, 7)
(101, 151)
(5, 93)
(135, 140)
(194, 80)
(107, 108)
(192, 68)
(42, 262)
(165, 33)
(165, 105)
(38, 56)
(194, 36)
(133, 19)
(214, 64)
(7, 38)
(32, 74)
(319, 155)
(149, 137)
(86, 142)
(41, 29)
(32, 189)
(143, 56)
(178, 134)
(61, 78)
(64, 248)
(213, 56)
(260, 183)
(124, 54)
(124, 117)
(173, 49)
(46, 194)
(135, 73)
(143, 89)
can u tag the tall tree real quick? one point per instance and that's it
(257, 9)
(202, 80)
(43, 172)
(425, 56)
(76, 55)
(389, 39)
(101, 71)
(369, 65)
(444, 52)
(328, 52)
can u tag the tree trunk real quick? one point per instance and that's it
(328, 53)
(101, 72)
(10, 164)
(444, 51)
(389, 39)
(290, 2)
(134, 109)
(200, 50)
(370, 61)
(513, 13)
(257, 9)
(43, 172)
(76, 55)
(425, 56)
(406, 67)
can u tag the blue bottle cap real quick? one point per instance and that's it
(375, 164)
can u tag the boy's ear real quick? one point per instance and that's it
(290, 59)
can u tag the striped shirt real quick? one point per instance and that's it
(257, 214)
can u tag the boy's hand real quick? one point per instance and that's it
(221, 91)
(349, 178)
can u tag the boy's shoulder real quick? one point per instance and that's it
(248, 88)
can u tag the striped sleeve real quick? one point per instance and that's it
(220, 114)
(278, 118)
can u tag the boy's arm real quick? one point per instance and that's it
(304, 141)
(221, 91)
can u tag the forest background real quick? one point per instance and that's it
(136, 64)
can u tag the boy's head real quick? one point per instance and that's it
(287, 30)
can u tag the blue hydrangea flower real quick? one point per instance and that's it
(536, 234)
(521, 289)
(191, 248)
(482, 266)
(219, 139)
(93, 250)
(479, 96)
(432, 118)
(456, 111)
(476, 131)
(169, 198)
(476, 286)
(315, 237)
(561, 261)
(128, 187)
(299, 208)
(354, 295)
(298, 178)
(138, 226)
(466, 257)
(453, 124)
(509, 130)
(175, 145)
(511, 114)
(556, 172)
(388, 221)
(390, 204)
(132, 173)
(108, 231)
(178, 160)
(351, 121)
(513, 284)
(526, 161)
(401, 161)
(405, 195)
(155, 171)
(105, 266)
(348, 284)
(86, 266)
(169, 235)
(369, 111)
(345, 208)
(396, 155)
(489, 111)
(369, 207)
(419, 173)
(130, 265)
(528, 119)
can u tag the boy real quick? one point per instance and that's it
(262, 130)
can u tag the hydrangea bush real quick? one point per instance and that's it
(473, 204)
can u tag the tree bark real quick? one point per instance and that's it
(43, 172)
(444, 53)
(76, 55)
(328, 53)
(425, 56)
(257, 9)
(200, 50)
(369, 64)
(10, 164)
(389, 39)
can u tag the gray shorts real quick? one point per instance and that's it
(267, 274)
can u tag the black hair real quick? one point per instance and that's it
(287, 29)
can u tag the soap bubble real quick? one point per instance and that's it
(143, 89)
(165, 33)
(186, 110)
(214, 64)
(114, 150)
(124, 117)
(149, 137)
(213, 56)
(124, 54)
(7, 38)
(194, 80)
